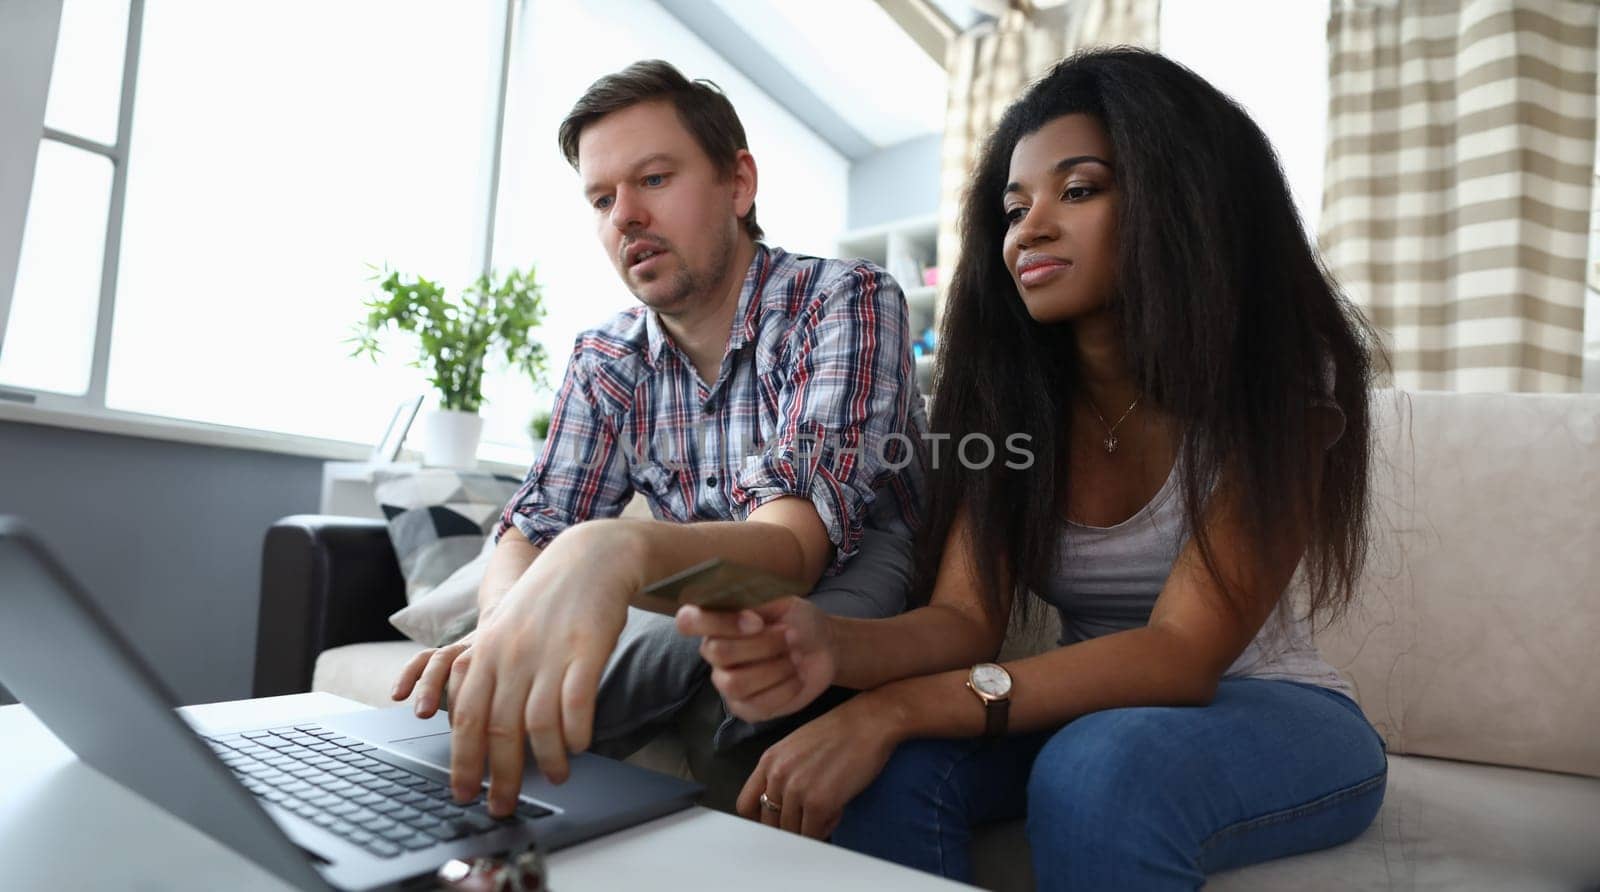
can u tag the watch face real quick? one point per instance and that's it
(991, 680)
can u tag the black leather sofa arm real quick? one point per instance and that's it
(325, 582)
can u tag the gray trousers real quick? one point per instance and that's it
(654, 671)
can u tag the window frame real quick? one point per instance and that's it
(89, 411)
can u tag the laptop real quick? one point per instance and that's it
(354, 802)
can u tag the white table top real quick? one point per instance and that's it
(58, 816)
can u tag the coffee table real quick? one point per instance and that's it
(63, 825)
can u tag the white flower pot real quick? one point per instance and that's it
(451, 439)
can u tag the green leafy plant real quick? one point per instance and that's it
(454, 337)
(539, 425)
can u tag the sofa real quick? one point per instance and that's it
(1474, 650)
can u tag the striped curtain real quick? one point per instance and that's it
(1461, 150)
(991, 65)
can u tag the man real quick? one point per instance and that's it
(765, 405)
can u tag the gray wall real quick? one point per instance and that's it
(165, 536)
(895, 182)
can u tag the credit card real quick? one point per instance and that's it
(717, 585)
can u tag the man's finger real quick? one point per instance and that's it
(542, 720)
(504, 734)
(469, 716)
(433, 679)
(578, 692)
(458, 673)
(409, 673)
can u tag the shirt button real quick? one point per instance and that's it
(711, 481)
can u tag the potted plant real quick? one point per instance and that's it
(494, 314)
(539, 426)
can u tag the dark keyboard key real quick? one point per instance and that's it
(364, 748)
(382, 848)
(411, 797)
(415, 782)
(344, 809)
(387, 807)
(368, 799)
(397, 833)
(376, 825)
(323, 820)
(345, 741)
(478, 821)
(338, 786)
(418, 841)
(322, 732)
(342, 827)
(308, 728)
(326, 800)
(360, 837)
(532, 810)
(387, 789)
(448, 830)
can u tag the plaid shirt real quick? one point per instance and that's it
(815, 398)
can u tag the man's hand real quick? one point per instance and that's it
(535, 666)
(769, 661)
(430, 671)
(809, 776)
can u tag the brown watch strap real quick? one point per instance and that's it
(995, 713)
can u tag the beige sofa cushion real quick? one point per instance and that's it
(1476, 634)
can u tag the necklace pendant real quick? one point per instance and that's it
(1111, 443)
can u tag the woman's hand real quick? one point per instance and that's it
(808, 777)
(769, 661)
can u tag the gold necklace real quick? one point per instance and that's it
(1111, 429)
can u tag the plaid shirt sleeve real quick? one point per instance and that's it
(579, 475)
(848, 392)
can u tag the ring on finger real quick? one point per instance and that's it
(770, 804)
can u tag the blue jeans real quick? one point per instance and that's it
(1138, 798)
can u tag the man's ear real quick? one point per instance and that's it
(744, 182)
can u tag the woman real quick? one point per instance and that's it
(1137, 296)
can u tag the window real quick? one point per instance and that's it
(1288, 40)
(56, 302)
(274, 150)
(277, 149)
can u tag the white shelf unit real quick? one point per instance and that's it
(905, 248)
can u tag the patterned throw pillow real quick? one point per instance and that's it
(438, 520)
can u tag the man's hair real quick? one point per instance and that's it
(704, 111)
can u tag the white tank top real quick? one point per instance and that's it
(1107, 580)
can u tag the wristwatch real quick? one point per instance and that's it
(992, 683)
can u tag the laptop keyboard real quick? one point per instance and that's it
(335, 783)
